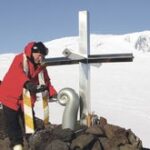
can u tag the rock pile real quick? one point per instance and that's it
(102, 136)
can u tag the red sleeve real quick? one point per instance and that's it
(52, 91)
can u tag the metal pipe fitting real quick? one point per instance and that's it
(70, 99)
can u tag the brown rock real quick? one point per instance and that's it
(96, 130)
(118, 140)
(112, 130)
(128, 147)
(106, 144)
(132, 137)
(102, 121)
(82, 141)
(97, 146)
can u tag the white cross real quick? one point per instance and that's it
(84, 59)
(84, 68)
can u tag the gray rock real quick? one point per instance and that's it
(82, 141)
(65, 135)
(57, 145)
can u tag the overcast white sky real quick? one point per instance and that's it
(45, 20)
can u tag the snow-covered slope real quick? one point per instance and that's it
(133, 42)
(119, 91)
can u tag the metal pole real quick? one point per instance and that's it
(84, 68)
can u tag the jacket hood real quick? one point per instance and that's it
(28, 49)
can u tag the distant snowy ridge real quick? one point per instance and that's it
(139, 40)
(132, 42)
(102, 43)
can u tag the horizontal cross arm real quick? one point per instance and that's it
(59, 61)
(106, 58)
(124, 57)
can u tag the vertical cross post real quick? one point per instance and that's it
(84, 68)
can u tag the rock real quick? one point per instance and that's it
(105, 144)
(65, 135)
(5, 144)
(102, 121)
(39, 124)
(57, 145)
(101, 136)
(119, 140)
(82, 141)
(96, 130)
(79, 129)
(39, 140)
(132, 137)
(97, 146)
(113, 130)
(128, 147)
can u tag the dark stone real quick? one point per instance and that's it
(65, 135)
(39, 124)
(57, 145)
(102, 136)
(82, 141)
(39, 140)
(97, 146)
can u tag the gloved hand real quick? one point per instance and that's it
(41, 88)
(30, 86)
(33, 88)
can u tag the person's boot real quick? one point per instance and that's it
(18, 147)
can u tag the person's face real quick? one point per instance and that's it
(37, 57)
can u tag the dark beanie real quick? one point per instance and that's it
(39, 47)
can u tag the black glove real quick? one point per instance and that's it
(33, 88)
(41, 88)
(30, 86)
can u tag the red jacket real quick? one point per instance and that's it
(12, 86)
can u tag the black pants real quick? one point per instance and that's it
(15, 125)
